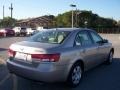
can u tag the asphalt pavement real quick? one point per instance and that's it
(103, 77)
(6, 42)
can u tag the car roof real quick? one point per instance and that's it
(69, 29)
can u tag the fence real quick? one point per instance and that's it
(108, 30)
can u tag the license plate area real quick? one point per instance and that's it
(20, 55)
(23, 57)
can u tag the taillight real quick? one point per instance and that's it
(46, 57)
(11, 53)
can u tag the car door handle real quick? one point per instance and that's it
(97, 47)
(84, 50)
(87, 49)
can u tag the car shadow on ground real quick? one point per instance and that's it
(103, 77)
(6, 81)
(6, 37)
(3, 49)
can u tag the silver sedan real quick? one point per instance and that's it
(59, 55)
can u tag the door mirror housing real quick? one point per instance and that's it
(104, 41)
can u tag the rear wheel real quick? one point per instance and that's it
(75, 76)
(110, 58)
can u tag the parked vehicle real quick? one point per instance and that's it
(59, 55)
(1, 34)
(20, 31)
(17, 31)
(7, 32)
(23, 32)
(30, 31)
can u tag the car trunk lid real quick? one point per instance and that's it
(27, 51)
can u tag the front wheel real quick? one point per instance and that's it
(110, 58)
(75, 76)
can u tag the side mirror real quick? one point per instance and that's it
(105, 41)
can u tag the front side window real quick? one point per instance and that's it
(96, 37)
(50, 36)
(82, 38)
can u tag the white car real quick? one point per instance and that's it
(30, 31)
(20, 31)
(17, 30)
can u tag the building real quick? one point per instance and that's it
(43, 21)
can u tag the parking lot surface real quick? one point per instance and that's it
(103, 77)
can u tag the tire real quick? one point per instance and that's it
(16, 35)
(75, 75)
(25, 34)
(4, 35)
(110, 58)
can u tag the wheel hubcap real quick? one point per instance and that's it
(76, 75)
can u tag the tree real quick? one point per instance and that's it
(118, 23)
(7, 22)
(84, 19)
(64, 20)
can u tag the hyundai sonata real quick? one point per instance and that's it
(59, 55)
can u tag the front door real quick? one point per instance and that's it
(88, 50)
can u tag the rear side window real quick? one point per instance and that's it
(82, 38)
(56, 37)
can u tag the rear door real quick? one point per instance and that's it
(89, 49)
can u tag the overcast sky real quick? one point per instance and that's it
(34, 8)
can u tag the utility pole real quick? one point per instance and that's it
(76, 24)
(72, 14)
(11, 9)
(72, 20)
(3, 12)
(78, 12)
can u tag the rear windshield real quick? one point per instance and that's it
(53, 36)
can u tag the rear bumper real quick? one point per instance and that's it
(23, 32)
(1, 34)
(43, 72)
